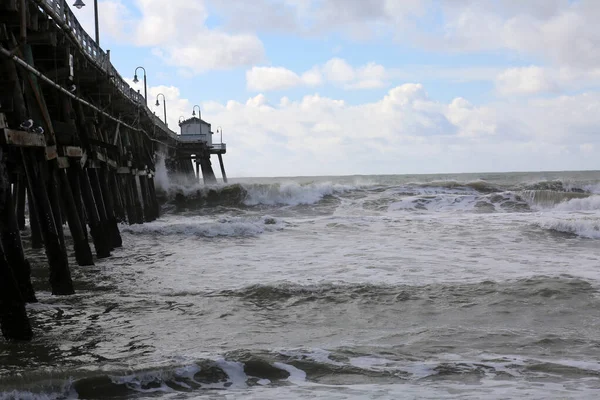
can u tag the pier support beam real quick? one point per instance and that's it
(99, 236)
(83, 253)
(107, 200)
(11, 238)
(14, 323)
(34, 225)
(222, 168)
(60, 275)
(20, 190)
(207, 172)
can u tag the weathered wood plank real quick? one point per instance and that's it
(21, 138)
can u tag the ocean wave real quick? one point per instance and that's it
(444, 186)
(584, 203)
(287, 294)
(496, 202)
(240, 195)
(551, 198)
(292, 193)
(558, 185)
(195, 226)
(244, 370)
(587, 227)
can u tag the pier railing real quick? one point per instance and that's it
(64, 17)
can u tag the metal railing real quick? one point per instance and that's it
(219, 146)
(60, 12)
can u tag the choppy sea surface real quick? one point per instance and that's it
(363, 287)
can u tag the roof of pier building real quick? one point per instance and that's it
(193, 120)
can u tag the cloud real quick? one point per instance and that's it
(405, 131)
(335, 71)
(525, 80)
(177, 33)
(534, 80)
(278, 78)
(560, 32)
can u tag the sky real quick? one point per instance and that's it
(360, 87)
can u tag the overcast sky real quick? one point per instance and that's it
(340, 87)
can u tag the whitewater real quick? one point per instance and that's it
(460, 286)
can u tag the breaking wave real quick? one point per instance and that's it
(252, 370)
(588, 227)
(438, 196)
(292, 193)
(238, 195)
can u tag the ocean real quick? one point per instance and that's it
(464, 286)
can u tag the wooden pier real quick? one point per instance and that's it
(78, 148)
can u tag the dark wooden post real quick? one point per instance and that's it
(135, 191)
(118, 197)
(222, 168)
(34, 226)
(73, 175)
(13, 315)
(99, 236)
(101, 175)
(102, 209)
(20, 191)
(83, 253)
(11, 237)
(152, 190)
(60, 275)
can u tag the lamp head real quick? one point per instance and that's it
(157, 103)
(78, 4)
(135, 79)
(193, 113)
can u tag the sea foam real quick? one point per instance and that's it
(196, 226)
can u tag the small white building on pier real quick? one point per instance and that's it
(196, 130)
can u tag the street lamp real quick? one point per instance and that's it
(136, 80)
(78, 4)
(199, 117)
(220, 130)
(181, 117)
(194, 112)
(164, 106)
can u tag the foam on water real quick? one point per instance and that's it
(199, 226)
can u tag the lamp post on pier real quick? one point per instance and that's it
(136, 80)
(194, 112)
(220, 130)
(78, 4)
(199, 117)
(164, 106)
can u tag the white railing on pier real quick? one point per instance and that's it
(219, 146)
